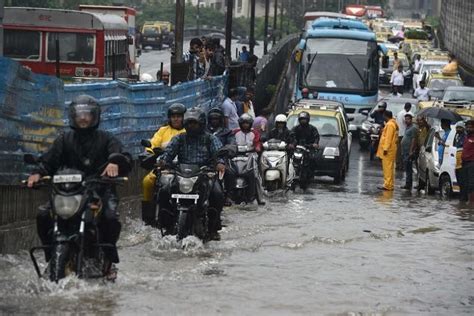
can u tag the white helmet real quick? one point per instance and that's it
(280, 118)
(146, 78)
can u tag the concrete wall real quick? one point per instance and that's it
(457, 27)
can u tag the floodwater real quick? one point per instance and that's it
(344, 249)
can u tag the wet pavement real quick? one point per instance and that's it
(344, 249)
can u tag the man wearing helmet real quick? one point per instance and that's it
(195, 147)
(280, 131)
(215, 126)
(305, 134)
(85, 148)
(247, 136)
(160, 140)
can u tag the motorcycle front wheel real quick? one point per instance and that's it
(59, 262)
(183, 225)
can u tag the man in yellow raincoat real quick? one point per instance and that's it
(160, 140)
(387, 150)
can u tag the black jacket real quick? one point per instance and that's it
(284, 135)
(88, 153)
(224, 134)
(305, 135)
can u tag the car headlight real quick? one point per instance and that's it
(186, 184)
(67, 206)
(331, 151)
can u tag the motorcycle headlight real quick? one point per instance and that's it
(67, 206)
(186, 184)
(298, 155)
(331, 151)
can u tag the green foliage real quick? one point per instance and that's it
(432, 21)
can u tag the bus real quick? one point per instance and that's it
(90, 44)
(129, 15)
(339, 60)
(364, 11)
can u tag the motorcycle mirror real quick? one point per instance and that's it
(29, 159)
(145, 143)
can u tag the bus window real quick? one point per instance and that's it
(19, 44)
(73, 47)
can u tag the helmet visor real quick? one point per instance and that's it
(84, 115)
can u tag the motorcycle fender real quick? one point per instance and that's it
(272, 175)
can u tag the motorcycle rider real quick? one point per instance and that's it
(247, 136)
(305, 134)
(280, 131)
(196, 147)
(160, 140)
(87, 149)
(215, 126)
(378, 114)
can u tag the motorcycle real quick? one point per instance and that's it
(374, 133)
(242, 168)
(301, 164)
(76, 208)
(274, 165)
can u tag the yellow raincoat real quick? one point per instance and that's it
(161, 139)
(388, 143)
(450, 69)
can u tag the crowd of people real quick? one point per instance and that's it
(401, 141)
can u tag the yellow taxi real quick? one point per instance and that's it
(437, 83)
(335, 139)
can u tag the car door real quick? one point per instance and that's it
(425, 152)
(344, 137)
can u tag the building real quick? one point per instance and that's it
(241, 7)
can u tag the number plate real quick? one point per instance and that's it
(185, 196)
(66, 178)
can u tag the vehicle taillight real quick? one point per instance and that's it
(95, 72)
(87, 72)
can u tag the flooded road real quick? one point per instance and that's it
(344, 249)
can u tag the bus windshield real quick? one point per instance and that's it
(341, 65)
(73, 47)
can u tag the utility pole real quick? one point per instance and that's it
(2, 5)
(178, 31)
(281, 18)
(228, 29)
(275, 14)
(197, 19)
(265, 33)
(252, 26)
(288, 17)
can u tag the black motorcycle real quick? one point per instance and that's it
(76, 209)
(241, 169)
(301, 163)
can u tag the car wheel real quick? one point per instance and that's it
(445, 187)
(428, 188)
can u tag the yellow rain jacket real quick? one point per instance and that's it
(161, 139)
(450, 69)
(388, 143)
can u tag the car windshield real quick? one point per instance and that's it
(326, 125)
(150, 32)
(432, 67)
(451, 95)
(442, 84)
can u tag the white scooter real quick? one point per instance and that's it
(274, 165)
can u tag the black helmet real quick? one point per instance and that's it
(215, 112)
(245, 118)
(195, 114)
(84, 104)
(176, 108)
(304, 116)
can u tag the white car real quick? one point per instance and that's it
(425, 68)
(431, 175)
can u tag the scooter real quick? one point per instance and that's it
(241, 169)
(274, 165)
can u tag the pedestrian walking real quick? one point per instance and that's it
(401, 131)
(458, 144)
(231, 119)
(387, 151)
(468, 162)
(408, 148)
